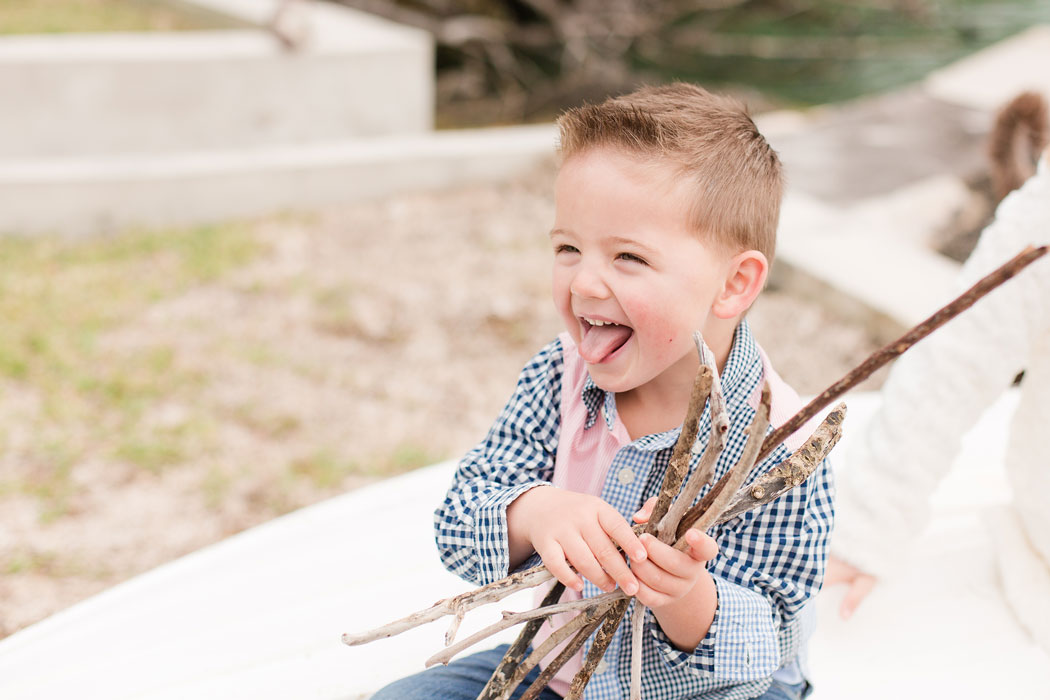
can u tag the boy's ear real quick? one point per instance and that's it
(745, 278)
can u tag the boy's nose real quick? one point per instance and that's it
(588, 283)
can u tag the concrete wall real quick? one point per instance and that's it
(85, 196)
(107, 131)
(82, 94)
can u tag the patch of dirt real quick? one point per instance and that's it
(368, 339)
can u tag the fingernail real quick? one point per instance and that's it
(631, 588)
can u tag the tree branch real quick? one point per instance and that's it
(509, 620)
(597, 650)
(736, 476)
(792, 471)
(499, 679)
(715, 443)
(896, 348)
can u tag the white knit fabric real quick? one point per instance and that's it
(938, 390)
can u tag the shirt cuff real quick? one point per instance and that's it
(741, 644)
(491, 542)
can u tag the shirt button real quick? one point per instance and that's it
(602, 667)
(625, 475)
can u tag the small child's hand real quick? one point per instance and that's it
(667, 574)
(565, 528)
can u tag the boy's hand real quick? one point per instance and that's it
(668, 575)
(566, 528)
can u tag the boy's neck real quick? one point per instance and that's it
(662, 404)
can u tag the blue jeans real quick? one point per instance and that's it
(785, 691)
(464, 678)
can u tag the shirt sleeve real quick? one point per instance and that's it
(771, 562)
(939, 389)
(516, 455)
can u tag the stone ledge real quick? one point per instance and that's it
(86, 195)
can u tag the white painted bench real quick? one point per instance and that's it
(260, 614)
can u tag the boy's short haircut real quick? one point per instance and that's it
(713, 141)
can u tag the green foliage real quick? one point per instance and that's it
(58, 297)
(324, 468)
(327, 468)
(60, 16)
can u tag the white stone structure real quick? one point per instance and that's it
(185, 128)
(91, 95)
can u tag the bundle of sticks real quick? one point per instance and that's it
(673, 514)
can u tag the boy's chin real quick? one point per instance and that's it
(609, 379)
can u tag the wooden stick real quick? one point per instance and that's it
(510, 619)
(497, 590)
(715, 443)
(792, 471)
(453, 628)
(678, 465)
(875, 361)
(505, 677)
(501, 675)
(637, 627)
(736, 476)
(595, 613)
(677, 469)
(893, 350)
(560, 660)
(597, 650)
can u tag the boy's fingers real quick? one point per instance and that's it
(554, 559)
(702, 547)
(651, 598)
(581, 556)
(645, 511)
(621, 533)
(612, 561)
(654, 577)
(675, 562)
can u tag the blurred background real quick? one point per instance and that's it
(257, 253)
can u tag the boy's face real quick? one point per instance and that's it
(631, 280)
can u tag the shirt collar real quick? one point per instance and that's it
(742, 370)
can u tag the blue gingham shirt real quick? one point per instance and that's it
(770, 562)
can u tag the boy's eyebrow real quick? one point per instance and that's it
(621, 240)
(631, 242)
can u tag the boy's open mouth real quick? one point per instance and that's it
(600, 339)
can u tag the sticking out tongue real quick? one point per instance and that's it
(598, 342)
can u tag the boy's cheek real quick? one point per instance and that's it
(657, 331)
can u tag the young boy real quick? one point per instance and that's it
(667, 203)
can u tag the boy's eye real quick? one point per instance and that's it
(631, 257)
(565, 248)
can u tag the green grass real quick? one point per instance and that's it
(58, 297)
(50, 481)
(51, 564)
(64, 16)
(327, 468)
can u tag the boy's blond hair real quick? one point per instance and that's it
(710, 138)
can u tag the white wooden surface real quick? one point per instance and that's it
(260, 615)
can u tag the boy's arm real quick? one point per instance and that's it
(516, 455)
